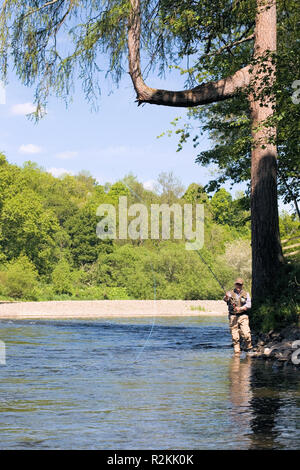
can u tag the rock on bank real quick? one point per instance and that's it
(283, 347)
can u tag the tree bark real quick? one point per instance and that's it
(266, 248)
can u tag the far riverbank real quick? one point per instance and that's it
(111, 308)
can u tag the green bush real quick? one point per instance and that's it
(115, 293)
(282, 307)
(18, 280)
(88, 293)
(62, 279)
(238, 256)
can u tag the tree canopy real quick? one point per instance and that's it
(228, 123)
(51, 43)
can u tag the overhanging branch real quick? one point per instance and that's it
(202, 94)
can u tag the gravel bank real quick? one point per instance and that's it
(282, 347)
(110, 308)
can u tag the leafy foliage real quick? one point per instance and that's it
(85, 246)
(18, 280)
(228, 123)
(283, 307)
(51, 223)
(52, 44)
(238, 255)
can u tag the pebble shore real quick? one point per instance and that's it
(68, 309)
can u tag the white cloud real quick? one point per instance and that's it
(66, 155)
(59, 171)
(149, 185)
(23, 108)
(30, 149)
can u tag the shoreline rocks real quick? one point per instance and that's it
(282, 347)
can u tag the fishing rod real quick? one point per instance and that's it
(214, 275)
(218, 281)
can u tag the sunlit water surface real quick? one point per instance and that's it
(107, 384)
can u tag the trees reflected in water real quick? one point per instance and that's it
(263, 407)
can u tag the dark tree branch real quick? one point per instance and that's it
(230, 45)
(47, 4)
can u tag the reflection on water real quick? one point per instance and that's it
(240, 394)
(265, 399)
(103, 385)
(275, 405)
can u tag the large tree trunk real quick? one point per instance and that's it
(266, 248)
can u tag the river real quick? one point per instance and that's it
(162, 383)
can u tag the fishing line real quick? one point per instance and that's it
(154, 286)
(214, 275)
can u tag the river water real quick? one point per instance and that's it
(162, 383)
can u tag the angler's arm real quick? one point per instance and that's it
(227, 297)
(247, 305)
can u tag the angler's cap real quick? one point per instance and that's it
(239, 280)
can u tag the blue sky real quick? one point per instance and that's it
(118, 139)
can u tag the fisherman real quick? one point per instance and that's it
(239, 302)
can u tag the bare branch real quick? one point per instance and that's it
(71, 4)
(230, 45)
(47, 4)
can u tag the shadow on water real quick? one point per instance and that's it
(265, 403)
(273, 404)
